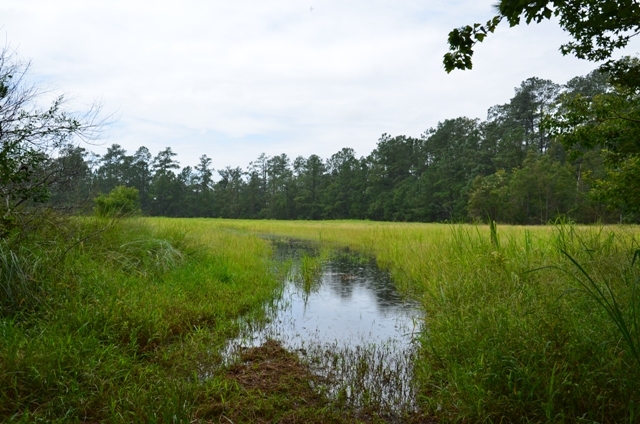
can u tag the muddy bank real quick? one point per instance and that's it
(271, 384)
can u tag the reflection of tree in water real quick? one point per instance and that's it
(286, 249)
(343, 275)
(345, 272)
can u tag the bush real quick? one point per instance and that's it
(121, 201)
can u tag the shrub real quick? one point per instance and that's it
(121, 201)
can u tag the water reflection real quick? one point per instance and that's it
(347, 312)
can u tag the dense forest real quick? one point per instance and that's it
(519, 166)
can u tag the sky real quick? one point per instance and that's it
(234, 79)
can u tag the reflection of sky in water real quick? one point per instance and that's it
(344, 308)
(352, 310)
(354, 304)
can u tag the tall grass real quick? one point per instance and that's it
(17, 285)
(308, 273)
(502, 343)
(124, 326)
(620, 301)
(127, 325)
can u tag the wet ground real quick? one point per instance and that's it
(344, 317)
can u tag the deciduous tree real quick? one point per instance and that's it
(31, 136)
(598, 27)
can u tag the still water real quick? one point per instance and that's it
(347, 319)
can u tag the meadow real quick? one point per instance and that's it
(126, 322)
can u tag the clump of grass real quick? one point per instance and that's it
(620, 301)
(148, 254)
(18, 286)
(308, 273)
(29, 263)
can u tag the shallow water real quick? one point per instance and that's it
(348, 321)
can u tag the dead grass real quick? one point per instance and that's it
(272, 369)
(272, 385)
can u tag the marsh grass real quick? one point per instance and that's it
(117, 328)
(501, 343)
(18, 287)
(123, 326)
(368, 377)
(621, 302)
(308, 273)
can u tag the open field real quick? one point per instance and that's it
(128, 324)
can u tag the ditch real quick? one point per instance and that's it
(345, 320)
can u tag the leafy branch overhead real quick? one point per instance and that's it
(464, 39)
(598, 27)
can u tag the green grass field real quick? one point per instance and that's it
(522, 324)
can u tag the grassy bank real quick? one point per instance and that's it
(127, 324)
(536, 324)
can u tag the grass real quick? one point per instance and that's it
(125, 328)
(522, 324)
(502, 342)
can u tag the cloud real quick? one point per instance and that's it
(234, 79)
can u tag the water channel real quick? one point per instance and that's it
(347, 320)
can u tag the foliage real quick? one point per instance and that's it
(30, 137)
(449, 173)
(542, 190)
(489, 197)
(620, 188)
(606, 119)
(609, 121)
(598, 27)
(121, 201)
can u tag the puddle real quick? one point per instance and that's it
(344, 316)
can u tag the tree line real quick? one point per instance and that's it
(553, 151)
(518, 166)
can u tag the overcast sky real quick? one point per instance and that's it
(233, 79)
